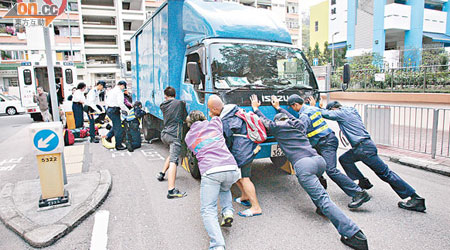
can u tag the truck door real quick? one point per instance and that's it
(198, 91)
(27, 85)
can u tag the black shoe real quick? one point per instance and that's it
(160, 176)
(175, 193)
(94, 140)
(359, 199)
(357, 241)
(323, 181)
(121, 147)
(414, 204)
(319, 212)
(365, 184)
(108, 140)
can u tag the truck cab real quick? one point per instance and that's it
(207, 48)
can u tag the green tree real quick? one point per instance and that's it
(316, 51)
(326, 55)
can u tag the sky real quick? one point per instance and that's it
(306, 3)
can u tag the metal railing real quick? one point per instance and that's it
(419, 129)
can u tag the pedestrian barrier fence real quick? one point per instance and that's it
(419, 129)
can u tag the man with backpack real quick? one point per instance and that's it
(174, 113)
(243, 150)
(219, 171)
(323, 140)
(290, 134)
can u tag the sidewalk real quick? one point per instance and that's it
(440, 165)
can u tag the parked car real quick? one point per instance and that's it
(10, 105)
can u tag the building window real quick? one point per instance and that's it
(128, 66)
(127, 25)
(316, 26)
(333, 2)
(127, 46)
(125, 6)
(73, 6)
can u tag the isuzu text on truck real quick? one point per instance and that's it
(203, 48)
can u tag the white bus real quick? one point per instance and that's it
(33, 75)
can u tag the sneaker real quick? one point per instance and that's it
(359, 199)
(121, 147)
(414, 204)
(109, 139)
(175, 193)
(323, 181)
(227, 219)
(365, 184)
(94, 140)
(160, 176)
(357, 241)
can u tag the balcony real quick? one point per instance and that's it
(133, 15)
(104, 30)
(98, 10)
(434, 21)
(397, 17)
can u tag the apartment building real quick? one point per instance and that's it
(397, 30)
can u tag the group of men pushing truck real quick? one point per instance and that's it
(225, 153)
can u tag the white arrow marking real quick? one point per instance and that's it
(44, 143)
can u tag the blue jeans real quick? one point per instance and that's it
(327, 148)
(308, 170)
(367, 152)
(116, 130)
(212, 187)
(91, 126)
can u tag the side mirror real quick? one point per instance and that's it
(346, 77)
(193, 72)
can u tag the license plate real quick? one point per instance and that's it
(275, 151)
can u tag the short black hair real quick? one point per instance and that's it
(81, 85)
(170, 92)
(122, 82)
(101, 82)
(333, 104)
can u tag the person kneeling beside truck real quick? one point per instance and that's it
(218, 169)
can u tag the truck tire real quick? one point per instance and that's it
(149, 133)
(37, 117)
(192, 165)
(278, 161)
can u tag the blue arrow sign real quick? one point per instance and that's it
(46, 140)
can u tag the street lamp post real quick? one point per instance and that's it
(332, 48)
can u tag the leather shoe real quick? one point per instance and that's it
(357, 241)
(365, 184)
(121, 147)
(108, 140)
(94, 140)
(414, 204)
(359, 199)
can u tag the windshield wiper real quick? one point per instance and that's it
(244, 87)
(294, 87)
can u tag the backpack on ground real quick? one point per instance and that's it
(255, 127)
(69, 139)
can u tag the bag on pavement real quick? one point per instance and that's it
(109, 145)
(69, 139)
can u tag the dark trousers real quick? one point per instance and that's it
(77, 109)
(367, 152)
(117, 131)
(327, 148)
(91, 126)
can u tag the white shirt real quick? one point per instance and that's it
(115, 98)
(92, 99)
(78, 96)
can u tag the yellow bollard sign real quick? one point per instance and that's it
(51, 175)
(48, 145)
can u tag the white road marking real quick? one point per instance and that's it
(12, 160)
(152, 155)
(117, 154)
(99, 238)
(8, 168)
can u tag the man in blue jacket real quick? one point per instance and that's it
(243, 150)
(364, 149)
(322, 139)
(290, 134)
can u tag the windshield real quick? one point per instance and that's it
(235, 65)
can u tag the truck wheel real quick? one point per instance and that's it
(37, 117)
(278, 161)
(192, 164)
(148, 132)
(11, 111)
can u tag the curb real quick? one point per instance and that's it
(45, 235)
(420, 164)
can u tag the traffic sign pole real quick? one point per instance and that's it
(51, 75)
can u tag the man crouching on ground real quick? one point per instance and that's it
(219, 172)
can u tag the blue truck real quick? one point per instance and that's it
(204, 48)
